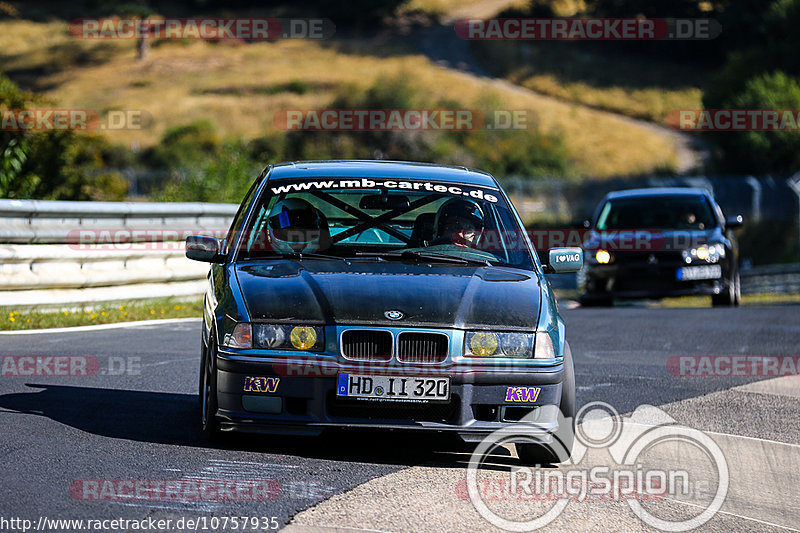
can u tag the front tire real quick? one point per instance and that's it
(208, 392)
(564, 437)
(731, 296)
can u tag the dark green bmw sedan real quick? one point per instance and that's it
(385, 295)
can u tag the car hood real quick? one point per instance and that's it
(333, 292)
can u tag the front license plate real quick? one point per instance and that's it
(699, 272)
(393, 388)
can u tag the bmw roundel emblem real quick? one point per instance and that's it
(394, 314)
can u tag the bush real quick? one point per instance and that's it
(224, 178)
(56, 165)
(184, 146)
(762, 151)
(528, 153)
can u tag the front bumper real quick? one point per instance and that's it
(641, 279)
(304, 400)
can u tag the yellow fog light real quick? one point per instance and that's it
(702, 253)
(602, 256)
(303, 337)
(483, 343)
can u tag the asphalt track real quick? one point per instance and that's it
(64, 438)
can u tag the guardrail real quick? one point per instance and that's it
(72, 253)
(776, 279)
(47, 221)
(58, 253)
(784, 279)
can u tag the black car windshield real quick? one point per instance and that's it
(656, 212)
(384, 219)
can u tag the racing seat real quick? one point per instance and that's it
(422, 233)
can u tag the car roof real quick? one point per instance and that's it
(658, 191)
(381, 169)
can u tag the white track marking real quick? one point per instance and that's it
(736, 515)
(97, 327)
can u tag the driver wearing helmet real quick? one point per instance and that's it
(460, 222)
(296, 226)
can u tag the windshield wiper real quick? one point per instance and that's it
(415, 255)
(309, 255)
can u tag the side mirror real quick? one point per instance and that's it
(734, 222)
(203, 248)
(561, 260)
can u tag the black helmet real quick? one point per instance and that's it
(457, 216)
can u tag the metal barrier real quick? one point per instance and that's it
(783, 279)
(62, 253)
(59, 253)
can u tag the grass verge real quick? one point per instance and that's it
(747, 299)
(565, 295)
(634, 86)
(12, 320)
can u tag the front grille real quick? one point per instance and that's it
(661, 257)
(421, 347)
(400, 411)
(366, 345)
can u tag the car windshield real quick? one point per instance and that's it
(656, 212)
(384, 220)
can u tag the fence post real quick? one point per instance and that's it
(756, 203)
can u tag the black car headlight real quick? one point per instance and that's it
(508, 344)
(288, 337)
(705, 253)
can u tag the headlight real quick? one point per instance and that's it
(282, 337)
(602, 256)
(491, 344)
(241, 337)
(704, 254)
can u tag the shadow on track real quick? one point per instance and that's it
(171, 418)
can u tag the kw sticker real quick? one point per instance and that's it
(522, 394)
(261, 384)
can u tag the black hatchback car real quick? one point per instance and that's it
(367, 294)
(659, 242)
